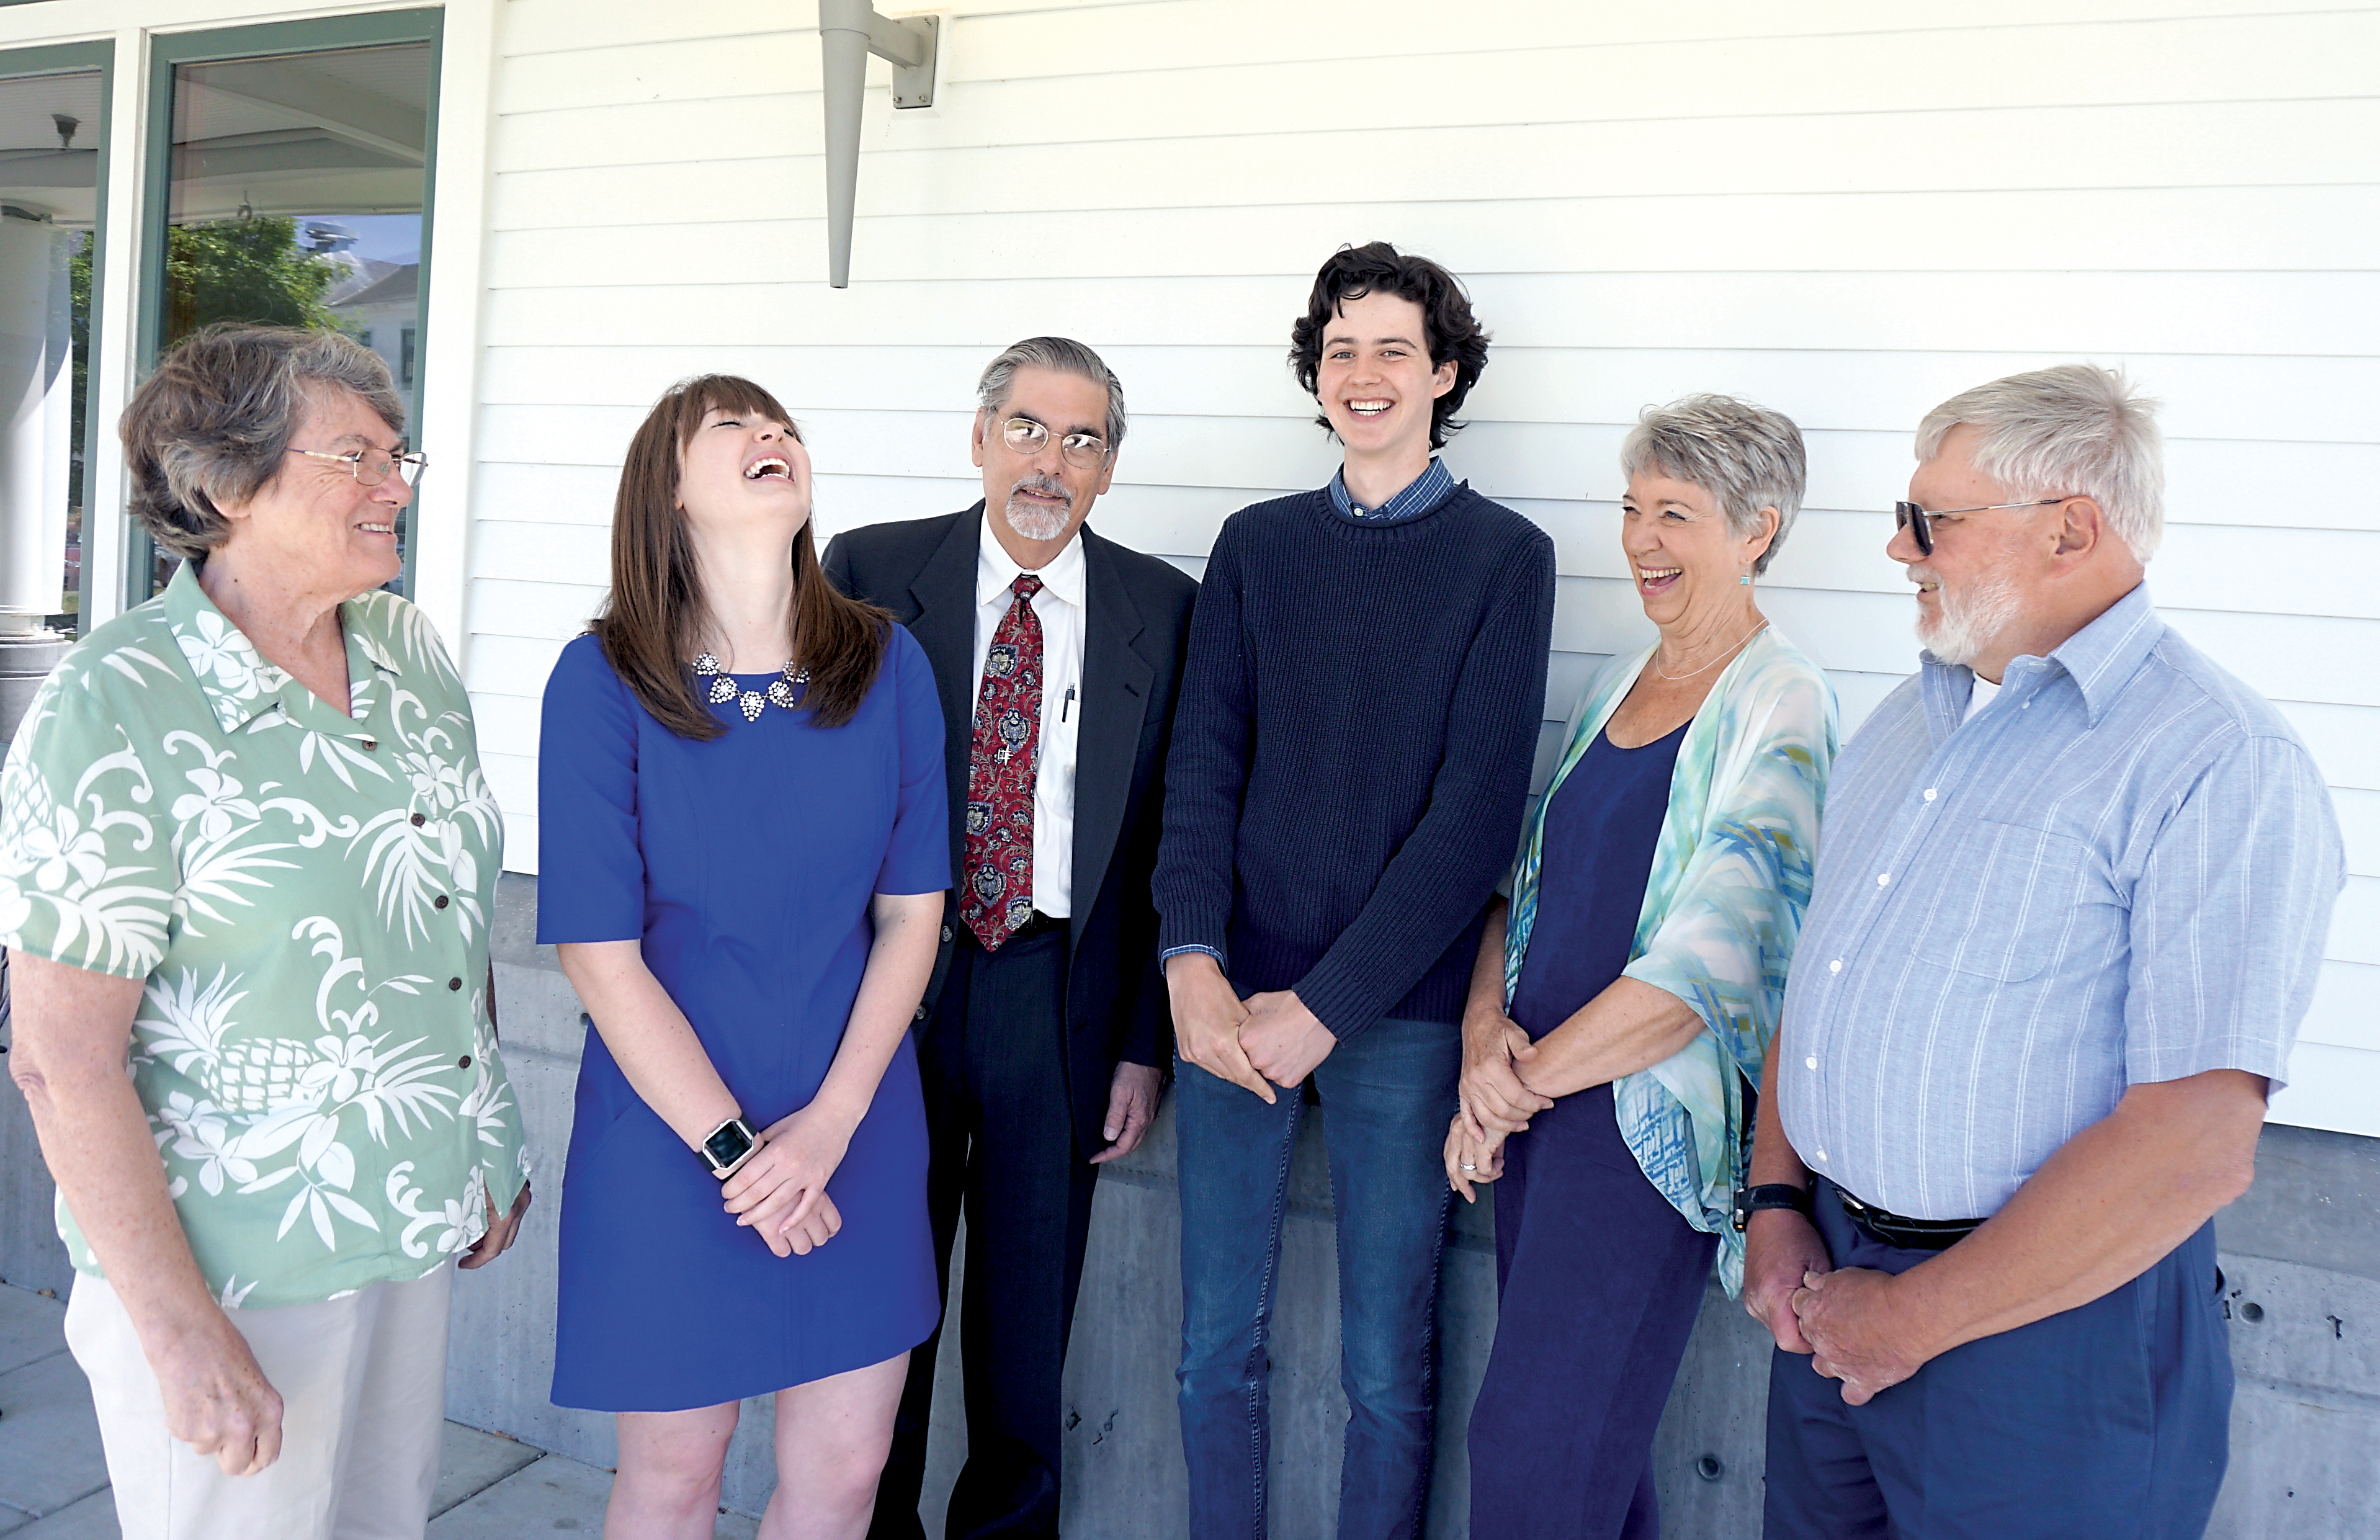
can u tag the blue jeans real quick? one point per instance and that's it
(1387, 1094)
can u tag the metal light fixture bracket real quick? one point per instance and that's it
(848, 31)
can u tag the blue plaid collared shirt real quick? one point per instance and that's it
(2120, 870)
(1424, 493)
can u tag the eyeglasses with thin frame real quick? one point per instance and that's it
(371, 467)
(1083, 451)
(1908, 516)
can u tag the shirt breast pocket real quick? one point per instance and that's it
(1060, 741)
(2015, 901)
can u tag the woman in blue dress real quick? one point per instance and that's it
(743, 841)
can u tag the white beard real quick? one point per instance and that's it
(1032, 522)
(1035, 524)
(1963, 627)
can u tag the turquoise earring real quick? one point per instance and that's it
(1745, 579)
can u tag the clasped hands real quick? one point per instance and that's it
(781, 1191)
(1266, 1040)
(1848, 1320)
(1494, 1099)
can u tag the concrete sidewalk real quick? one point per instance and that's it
(54, 1479)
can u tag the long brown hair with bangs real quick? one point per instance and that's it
(653, 621)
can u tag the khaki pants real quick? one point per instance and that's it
(363, 1388)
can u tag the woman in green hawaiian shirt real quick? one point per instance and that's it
(245, 845)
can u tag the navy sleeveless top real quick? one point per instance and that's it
(1600, 831)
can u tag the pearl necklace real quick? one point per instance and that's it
(723, 686)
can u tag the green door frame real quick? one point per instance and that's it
(266, 40)
(76, 58)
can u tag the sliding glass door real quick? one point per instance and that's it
(290, 175)
(53, 109)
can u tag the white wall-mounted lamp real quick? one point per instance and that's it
(848, 31)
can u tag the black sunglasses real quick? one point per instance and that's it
(1908, 516)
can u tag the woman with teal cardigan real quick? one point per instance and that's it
(1623, 1001)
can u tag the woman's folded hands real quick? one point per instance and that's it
(1470, 1160)
(781, 1191)
(1494, 1098)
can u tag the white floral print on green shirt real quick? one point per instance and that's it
(307, 896)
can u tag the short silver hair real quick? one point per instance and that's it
(2071, 431)
(1062, 356)
(1746, 457)
(213, 424)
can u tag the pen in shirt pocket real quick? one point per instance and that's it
(1067, 705)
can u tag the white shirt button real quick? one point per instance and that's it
(1883, 879)
(1822, 1155)
(1834, 966)
(1811, 1063)
(1929, 794)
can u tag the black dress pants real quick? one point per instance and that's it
(993, 1055)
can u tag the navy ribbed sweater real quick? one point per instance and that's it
(1352, 751)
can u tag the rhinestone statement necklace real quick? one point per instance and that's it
(723, 686)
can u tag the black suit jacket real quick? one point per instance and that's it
(1135, 636)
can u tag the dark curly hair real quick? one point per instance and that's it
(1454, 334)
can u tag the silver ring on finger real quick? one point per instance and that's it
(1469, 1167)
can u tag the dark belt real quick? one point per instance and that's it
(1897, 1229)
(1040, 924)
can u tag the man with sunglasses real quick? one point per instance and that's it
(1041, 1037)
(2068, 909)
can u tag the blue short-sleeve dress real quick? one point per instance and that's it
(746, 865)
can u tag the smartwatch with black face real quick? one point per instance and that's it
(728, 1146)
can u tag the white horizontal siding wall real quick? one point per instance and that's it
(1848, 213)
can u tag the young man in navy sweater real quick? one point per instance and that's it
(1351, 756)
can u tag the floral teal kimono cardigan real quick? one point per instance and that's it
(1723, 903)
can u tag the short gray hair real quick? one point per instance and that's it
(213, 424)
(2071, 431)
(1746, 457)
(1062, 356)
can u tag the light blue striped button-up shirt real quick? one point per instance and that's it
(2120, 870)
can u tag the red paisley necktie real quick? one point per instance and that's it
(999, 896)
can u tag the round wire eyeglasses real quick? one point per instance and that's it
(1083, 451)
(371, 467)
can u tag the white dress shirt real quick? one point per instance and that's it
(1059, 606)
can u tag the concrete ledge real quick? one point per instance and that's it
(2300, 1254)
(2316, 1201)
(32, 1255)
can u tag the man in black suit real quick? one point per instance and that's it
(1046, 1028)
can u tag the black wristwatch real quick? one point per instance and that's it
(728, 1146)
(1774, 1194)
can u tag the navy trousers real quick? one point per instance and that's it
(1598, 1281)
(1001, 1132)
(2106, 1422)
